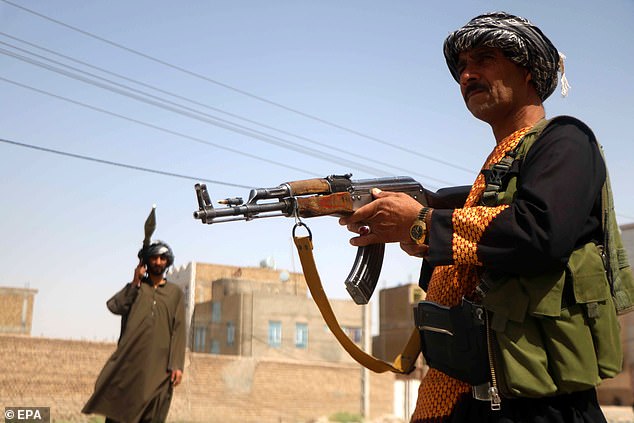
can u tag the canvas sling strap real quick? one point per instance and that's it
(403, 363)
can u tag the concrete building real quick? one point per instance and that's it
(261, 312)
(396, 322)
(619, 391)
(396, 319)
(16, 313)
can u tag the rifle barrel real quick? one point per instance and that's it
(247, 211)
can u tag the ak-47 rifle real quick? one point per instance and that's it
(336, 195)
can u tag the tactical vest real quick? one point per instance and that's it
(544, 345)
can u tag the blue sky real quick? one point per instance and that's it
(371, 72)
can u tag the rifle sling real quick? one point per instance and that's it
(403, 363)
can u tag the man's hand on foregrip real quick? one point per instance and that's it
(388, 219)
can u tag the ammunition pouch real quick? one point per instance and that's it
(454, 339)
(547, 345)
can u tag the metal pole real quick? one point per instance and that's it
(365, 373)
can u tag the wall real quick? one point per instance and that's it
(216, 389)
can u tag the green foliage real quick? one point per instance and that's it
(91, 419)
(345, 417)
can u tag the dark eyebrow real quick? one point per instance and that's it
(477, 54)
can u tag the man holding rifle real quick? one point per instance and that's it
(523, 241)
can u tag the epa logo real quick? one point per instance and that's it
(27, 414)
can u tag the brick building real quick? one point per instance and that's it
(16, 313)
(260, 312)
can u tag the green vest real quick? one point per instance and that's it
(543, 347)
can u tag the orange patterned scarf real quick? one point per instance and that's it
(439, 393)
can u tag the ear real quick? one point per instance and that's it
(528, 80)
(529, 76)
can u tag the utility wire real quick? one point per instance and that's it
(158, 128)
(143, 169)
(127, 166)
(188, 112)
(292, 146)
(207, 118)
(239, 91)
(229, 87)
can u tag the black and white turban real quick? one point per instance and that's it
(521, 41)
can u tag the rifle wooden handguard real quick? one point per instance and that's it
(339, 203)
(309, 186)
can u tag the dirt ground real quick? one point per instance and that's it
(615, 414)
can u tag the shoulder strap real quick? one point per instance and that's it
(403, 363)
(531, 136)
(501, 176)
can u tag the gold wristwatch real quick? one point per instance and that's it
(418, 230)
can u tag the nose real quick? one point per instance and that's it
(468, 74)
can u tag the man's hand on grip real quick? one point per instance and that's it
(388, 219)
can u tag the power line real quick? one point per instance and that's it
(229, 87)
(239, 91)
(127, 166)
(206, 106)
(195, 114)
(159, 128)
(188, 112)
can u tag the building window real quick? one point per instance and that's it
(353, 333)
(215, 311)
(231, 333)
(275, 333)
(301, 335)
(215, 346)
(199, 338)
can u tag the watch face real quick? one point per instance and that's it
(416, 232)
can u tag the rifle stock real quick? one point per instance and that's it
(336, 195)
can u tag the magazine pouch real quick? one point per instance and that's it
(454, 339)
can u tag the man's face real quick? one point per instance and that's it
(493, 87)
(156, 265)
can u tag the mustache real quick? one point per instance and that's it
(474, 87)
(156, 269)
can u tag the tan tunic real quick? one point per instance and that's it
(134, 384)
